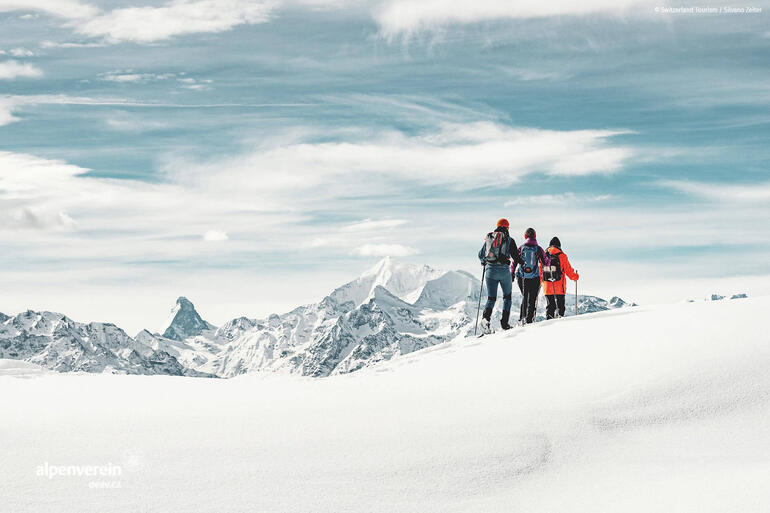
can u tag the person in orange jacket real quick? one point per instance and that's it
(554, 278)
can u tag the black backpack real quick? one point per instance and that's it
(552, 272)
(495, 248)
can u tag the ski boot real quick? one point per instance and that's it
(486, 326)
(504, 321)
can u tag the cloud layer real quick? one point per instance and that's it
(147, 24)
(723, 192)
(381, 250)
(10, 70)
(460, 155)
(406, 17)
(179, 17)
(290, 177)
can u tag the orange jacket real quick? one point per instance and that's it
(559, 287)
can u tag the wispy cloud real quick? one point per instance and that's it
(406, 17)
(369, 234)
(380, 250)
(728, 193)
(557, 199)
(68, 9)
(10, 104)
(129, 122)
(373, 224)
(69, 44)
(215, 236)
(35, 219)
(21, 52)
(531, 75)
(462, 156)
(10, 70)
(147, 24)
(130, 76)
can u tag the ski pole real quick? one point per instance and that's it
(576, 295)
(480, 293)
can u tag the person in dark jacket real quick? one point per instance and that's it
(528, 275)
(496, 254)
(555, 291)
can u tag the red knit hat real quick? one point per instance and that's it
(503, 222)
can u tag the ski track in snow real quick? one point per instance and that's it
(646, 409)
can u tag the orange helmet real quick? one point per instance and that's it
(503, 222)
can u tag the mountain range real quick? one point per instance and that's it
(393, 309)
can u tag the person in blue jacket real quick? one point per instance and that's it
(496, 254)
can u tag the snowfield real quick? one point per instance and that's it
(662, 408)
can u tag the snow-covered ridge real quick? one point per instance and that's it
(392, 309)
(56, 342)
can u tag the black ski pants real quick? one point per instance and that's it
(530, 288)
(555, 302)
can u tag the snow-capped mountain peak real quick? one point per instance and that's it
(448, 289)
(57, 342)
(184, 321)
(402, 279)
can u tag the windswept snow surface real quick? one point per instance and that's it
(643, 409)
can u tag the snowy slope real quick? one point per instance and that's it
(633, 410)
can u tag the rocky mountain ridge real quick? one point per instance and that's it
(393, 309)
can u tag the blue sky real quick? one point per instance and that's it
(253, 155)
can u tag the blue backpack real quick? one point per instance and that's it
(530, 255)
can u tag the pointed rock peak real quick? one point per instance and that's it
(184, 303)
(3, 317)
(184, 321)
(379, 292)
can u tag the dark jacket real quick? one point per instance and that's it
(509, 252)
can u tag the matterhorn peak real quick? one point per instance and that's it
(184, 321)
(184, 303)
